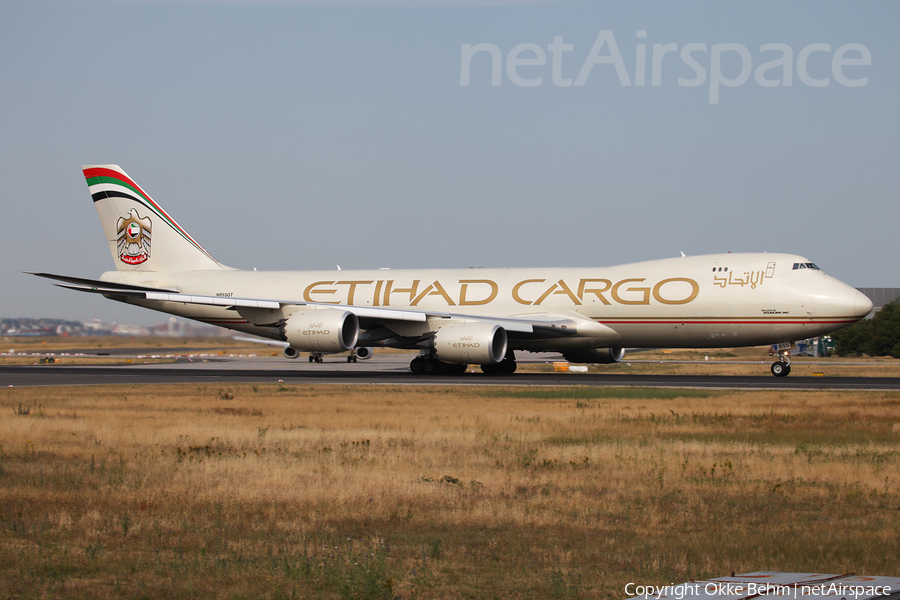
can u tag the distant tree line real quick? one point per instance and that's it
(878, 336)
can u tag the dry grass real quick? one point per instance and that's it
(252, 491)
(70, 350)
(68, 343)
(90, 350)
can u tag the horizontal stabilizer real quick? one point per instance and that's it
(105, 291)
(88, 285)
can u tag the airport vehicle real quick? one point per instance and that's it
(467, 316)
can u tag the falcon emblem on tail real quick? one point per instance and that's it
(133, 238)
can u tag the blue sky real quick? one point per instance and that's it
(301, 135)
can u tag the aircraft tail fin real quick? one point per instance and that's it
(141, 235)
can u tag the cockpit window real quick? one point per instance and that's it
(806, 266)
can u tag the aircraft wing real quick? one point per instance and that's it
(173, 295)
(541, 325)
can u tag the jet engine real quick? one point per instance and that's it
(595, 355)
(290, 352)
(478, 343)
(325, 330)
(363, 353)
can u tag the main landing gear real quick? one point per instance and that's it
(782, 367)
(507, 366)
(317, 357)
(429, 365)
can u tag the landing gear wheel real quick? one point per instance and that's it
(506, 367)
(429, 365)
(781, 369)
(311, 358)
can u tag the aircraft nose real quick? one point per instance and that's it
(837, 299)
(863, 305)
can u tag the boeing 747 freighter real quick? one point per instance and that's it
(456, 317)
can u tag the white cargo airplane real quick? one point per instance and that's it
(467, 316)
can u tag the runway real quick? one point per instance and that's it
(393, 370)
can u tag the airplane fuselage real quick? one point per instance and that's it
(722, 300)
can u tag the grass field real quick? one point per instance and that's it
(89, 350)
(261, 491)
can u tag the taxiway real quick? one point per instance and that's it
(392, 369)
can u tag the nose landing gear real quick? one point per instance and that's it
(782, 367)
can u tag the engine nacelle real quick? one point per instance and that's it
(595, 355)
(290, 352)
(363, 353)
(477, 343)
(325, 330)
